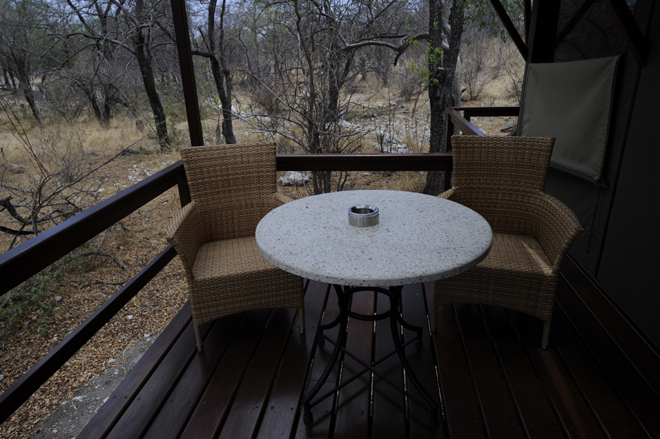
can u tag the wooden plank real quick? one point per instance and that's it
(284, 403)
(172, 418)
(636, 394)
(353, 409)
(461, 405)
(27, 384)
(365, 162)
(145, 406)
(567, 400)
(212, 409)
(630, 339)
(123, 395)
(596, 388)
(422, 361)
(249, 404)
(389, 417)
(323, 425)
(499, 408)
(538, 414)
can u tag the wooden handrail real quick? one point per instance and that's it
(29, 258)
(30, 382)
(499, 111)
(26, 260)
(365, 162)
(463, 122)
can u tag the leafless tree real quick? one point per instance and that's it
(22, 33)
(476, 47)
(58, 180)
(138, 28)
(306, 59)
(215, 48)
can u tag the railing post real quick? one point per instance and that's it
(450, 132)
(180, 18)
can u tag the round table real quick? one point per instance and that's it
(419, 238)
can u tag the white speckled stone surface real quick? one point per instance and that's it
(420, 238)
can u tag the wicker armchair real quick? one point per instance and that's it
(502, 178)
(232, 187)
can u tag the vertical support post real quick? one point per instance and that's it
(527, 18)
(181, 31)
(450, 132)
(543, 31)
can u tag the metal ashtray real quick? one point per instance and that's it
(363, 215)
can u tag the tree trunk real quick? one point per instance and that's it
(144, 62)
(442, 81)
(221, 79)
(220, 70)
(5, 77)
(29, 97)
(13, 80)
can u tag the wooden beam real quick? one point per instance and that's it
(180, 18)
(528, 18)
(510, 28)
(626, 23)
(584, 7)
(543, 31)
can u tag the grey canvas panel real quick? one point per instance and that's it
(572, 102)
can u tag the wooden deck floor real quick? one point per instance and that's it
(598, 378)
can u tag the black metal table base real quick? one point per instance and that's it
(344, 296)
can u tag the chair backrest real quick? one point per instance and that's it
(233, 184)
(498, 176)
(501, 162)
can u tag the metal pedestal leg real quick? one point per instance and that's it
(344, 294)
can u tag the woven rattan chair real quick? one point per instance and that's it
(232, 187)
(502, 178)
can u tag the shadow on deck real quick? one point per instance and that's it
(597, 379)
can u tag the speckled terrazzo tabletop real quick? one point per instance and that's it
(419, 238)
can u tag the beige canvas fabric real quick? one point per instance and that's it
(572, 102)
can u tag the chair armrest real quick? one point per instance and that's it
(555, 227)
(281, 198)
(449, 194)
(271, 201)
(186, 233)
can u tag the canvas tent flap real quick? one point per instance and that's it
(572, 102)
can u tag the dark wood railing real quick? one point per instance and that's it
(28, 259)
(462, 122)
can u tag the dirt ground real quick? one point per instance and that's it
(67, 401)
